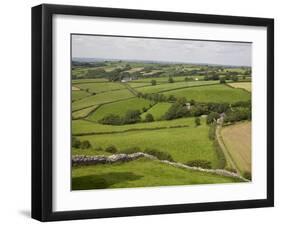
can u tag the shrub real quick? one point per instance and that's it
(212, 117)
(212, 132)
(85, 144)
(111, 119)
(153, 82)
(159, 154)
(222, 80)
(111, 149)
(170, 80)
(247, 175)
(197, 121)
(200, 163)
(177, 110)
(132, 116)
(220, 154)
(98, 148)
(75, 143)
(149, 118)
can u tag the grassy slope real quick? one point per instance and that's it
(139, 173)
(76, 81)
(119, 108)
(213, 93)
(169, 86)
(164, 79)
(83, 126)
(84, 112)
(102, 98)
(100, 87)
(158, 110)
(184, 144)
(237, 139)
(138, 84)
(79, 94)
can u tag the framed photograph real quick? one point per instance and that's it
(146, 112)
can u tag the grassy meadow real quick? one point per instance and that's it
(169, 111)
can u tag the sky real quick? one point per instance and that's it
(149, 49)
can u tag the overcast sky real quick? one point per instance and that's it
(189, 51)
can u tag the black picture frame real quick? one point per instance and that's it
(42, 111)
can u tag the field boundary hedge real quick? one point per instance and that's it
(130, 130)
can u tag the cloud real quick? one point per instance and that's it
(189, 51)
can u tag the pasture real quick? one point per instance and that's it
(173, 86)
(80, 81)
(115, 87)
(213, 93)
(100, 86)
(139, 173)
(83, 113)
(87, 127)
(183, 144)
(102, 98)
(79, 94)
(158, 110)
(120, 108)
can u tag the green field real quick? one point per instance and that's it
(85, 126)
(97, 80)
(139, 173)
(84, 112)
(79, 94)
(158, 110)
(100, 86)
(120, 108)
(114, 88)
(212, 93)
(171, 86)
(164, 79)
(102, 98)
(138, 84)
(183, 144)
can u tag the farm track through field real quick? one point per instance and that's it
(227, 155)
(128, 130)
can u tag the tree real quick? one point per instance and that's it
(170, 80)
(132, 116)
(197, 121)
(212, 117)
(149, 118)
(85, 144)
(111, 149)
(234, 78)
(153, 82)
(111, 119)
(222, 80)
(171, 98)
(177, 110)
(215, 77)
(75, 143)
